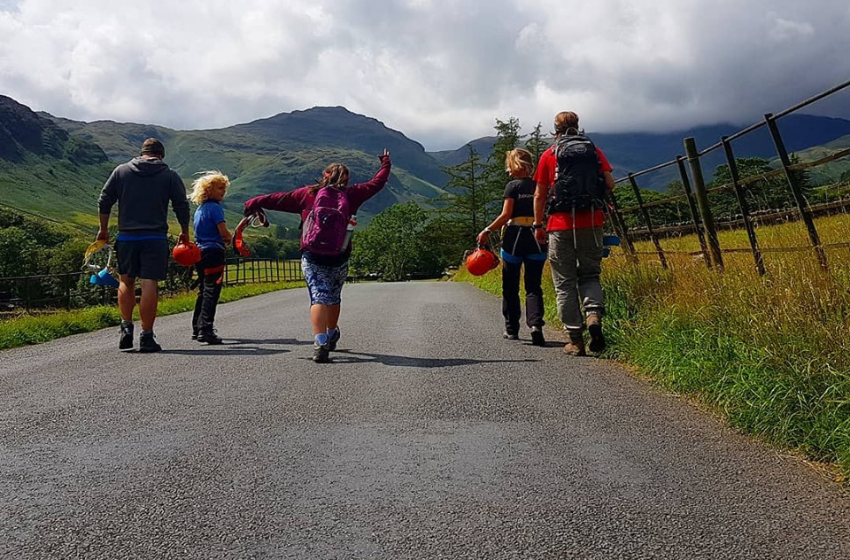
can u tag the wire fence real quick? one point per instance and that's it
(746, 200)
(73, 290)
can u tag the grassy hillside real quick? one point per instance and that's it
(46, 171)
(829, 172)
(54, 189)
(283, 152)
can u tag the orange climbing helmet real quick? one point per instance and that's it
(481, 261)
(186, 254)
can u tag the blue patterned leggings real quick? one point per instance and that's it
(324, 282)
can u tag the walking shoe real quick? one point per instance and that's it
(321, 355)
(147, 343)
(332, 340)
(209, 336)
(126, 340)
(195, 333)
(597, 340)
(575, 346)
(510, 335)
(537, 338)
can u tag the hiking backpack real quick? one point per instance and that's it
(578, 183)
(324, 229)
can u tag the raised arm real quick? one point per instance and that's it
(361, 192)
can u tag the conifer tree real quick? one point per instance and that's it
(495, 176)
(536, 143)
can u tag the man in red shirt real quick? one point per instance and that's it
(575, 243)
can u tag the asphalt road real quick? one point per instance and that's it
(427, 437)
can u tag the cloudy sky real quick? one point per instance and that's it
(440, 71)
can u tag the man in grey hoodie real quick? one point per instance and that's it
(142, 187)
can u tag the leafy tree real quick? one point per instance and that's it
(20, 254)
(445, 241)
(285, 232)
(289, 249)
(765, 194)
(264, 247)
(68, 256)
(678, 211)
(394, 245)
(660, 215)
(43, 232)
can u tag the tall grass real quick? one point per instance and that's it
(34, 329)
(771, 353)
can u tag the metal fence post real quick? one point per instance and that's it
(799, 199)
(745, 207)
(648, 221)
(702, 201)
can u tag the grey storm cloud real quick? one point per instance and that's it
(441, 71)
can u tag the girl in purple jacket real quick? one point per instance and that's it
(325, 274)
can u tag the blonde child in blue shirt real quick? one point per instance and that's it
(211, 236)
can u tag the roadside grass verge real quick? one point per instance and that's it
(771, 354)
(35, 329)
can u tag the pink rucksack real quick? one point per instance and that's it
(324, 230)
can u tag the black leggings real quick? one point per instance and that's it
(210, 272)
(511, 307)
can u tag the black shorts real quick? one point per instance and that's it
(146, 259)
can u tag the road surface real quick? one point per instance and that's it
(429, 436)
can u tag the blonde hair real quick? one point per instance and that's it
(519, 159)
(202, 186)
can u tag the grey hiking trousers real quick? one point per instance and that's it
(576, 260)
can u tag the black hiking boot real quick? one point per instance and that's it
(332, 340)
(510, 334)
(126, 340)
(537, 338)
(597, 339)
(209, 336)
(321, 354)
(194, 333)
(148, 344)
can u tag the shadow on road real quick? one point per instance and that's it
(227, 349)
(285, 341)
(241, 347)
(349, 357)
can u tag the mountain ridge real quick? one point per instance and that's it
(48, 155)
